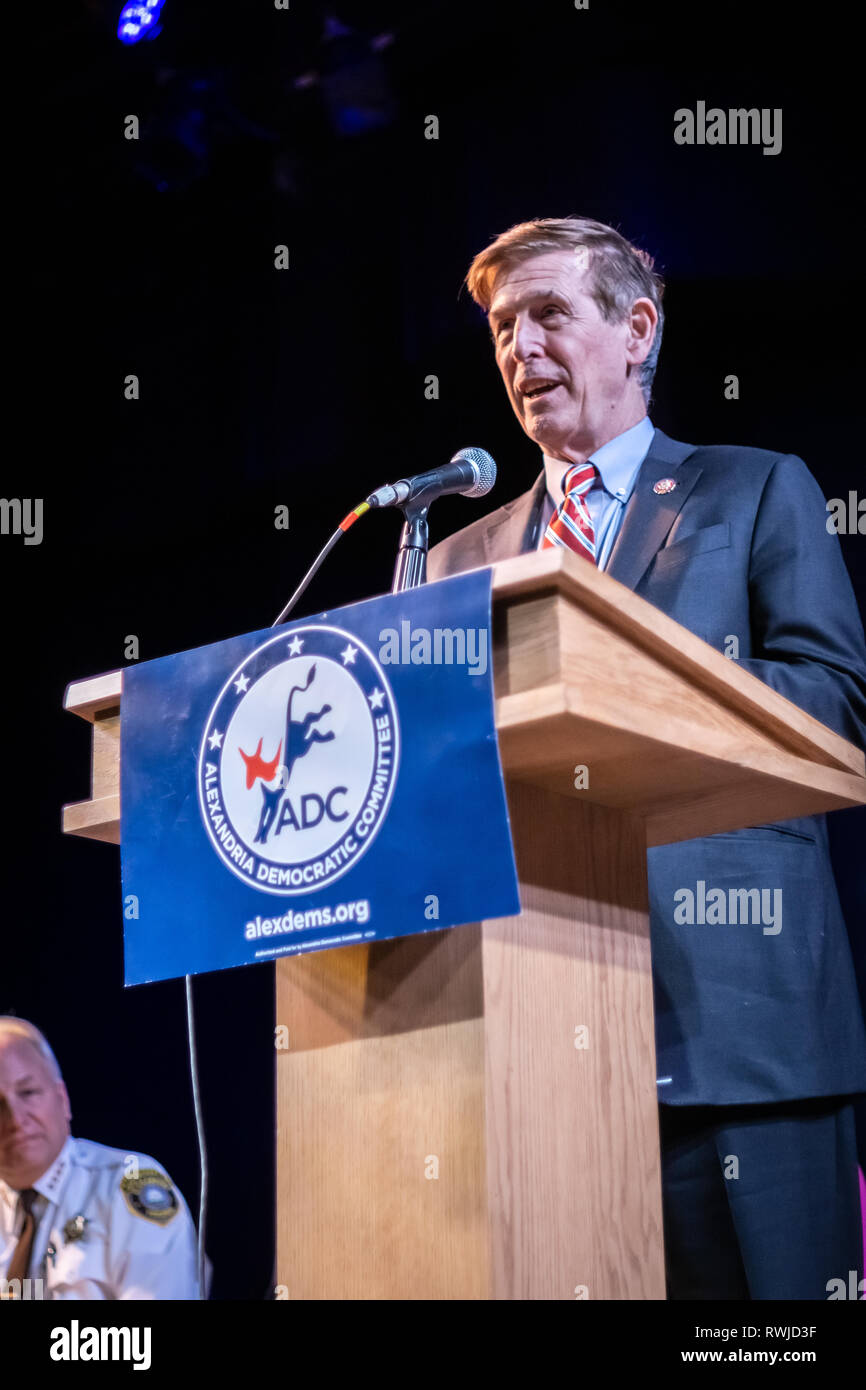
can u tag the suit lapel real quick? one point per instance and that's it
(510, 529)
(650, 515)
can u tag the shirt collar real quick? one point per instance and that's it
(618, 461)
(51, 1183)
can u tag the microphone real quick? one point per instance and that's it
(471, 472)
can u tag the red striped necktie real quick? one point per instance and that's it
(571, 523)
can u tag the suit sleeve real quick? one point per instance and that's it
(806, 630)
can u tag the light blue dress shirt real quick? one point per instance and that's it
(618, 463)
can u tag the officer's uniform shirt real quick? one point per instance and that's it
(103, 1233)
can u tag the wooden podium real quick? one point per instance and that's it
(473, 1113)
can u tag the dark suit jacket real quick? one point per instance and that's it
(740, 547)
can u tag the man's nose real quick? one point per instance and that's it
(527, 340)
(11, 1114)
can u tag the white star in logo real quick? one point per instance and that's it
(349, 655)
(241, 684)
(376, 698)
(296, 646)
(215, 740)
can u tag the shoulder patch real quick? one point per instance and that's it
(150, 1195)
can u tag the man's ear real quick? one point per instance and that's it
(67, 1108)
(642, 326)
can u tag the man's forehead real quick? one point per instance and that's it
(19, 1057)
(559, 272)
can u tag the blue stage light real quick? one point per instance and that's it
(139, 21)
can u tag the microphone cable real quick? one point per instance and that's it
(341, 530)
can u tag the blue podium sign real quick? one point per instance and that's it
(329, 782)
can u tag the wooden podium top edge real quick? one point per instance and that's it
(604, 597)
(95, 695)
(557, 570)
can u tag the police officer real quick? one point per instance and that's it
(88, 1221)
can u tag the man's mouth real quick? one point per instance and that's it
(543, 389)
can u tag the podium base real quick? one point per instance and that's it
(472, 1113)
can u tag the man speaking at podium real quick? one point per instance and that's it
(87, 1221)
(760, 1038)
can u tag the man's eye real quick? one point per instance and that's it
(552, 309)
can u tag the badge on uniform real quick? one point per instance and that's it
(150, 1195)
(664, 485)
(75, 1228)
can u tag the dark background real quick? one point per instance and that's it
(306, 388)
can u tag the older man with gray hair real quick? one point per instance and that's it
(760, 1041)
(79, 1220)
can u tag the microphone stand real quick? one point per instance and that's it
(411, 567)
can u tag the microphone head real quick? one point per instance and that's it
(484, 468)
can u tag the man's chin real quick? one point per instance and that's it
(26, 1167)
(544, 429)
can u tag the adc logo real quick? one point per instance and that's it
(298, 760)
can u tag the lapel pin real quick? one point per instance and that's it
(664, 485)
